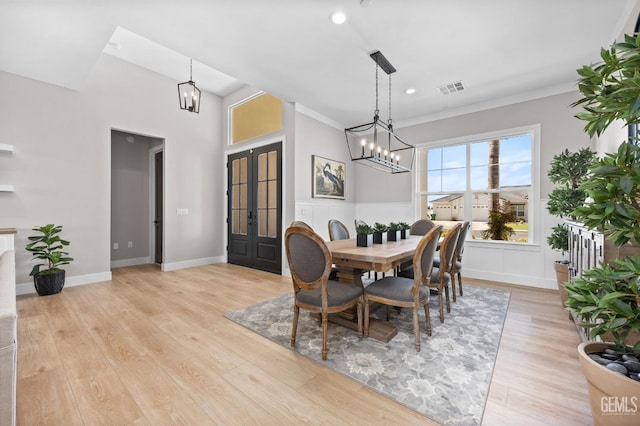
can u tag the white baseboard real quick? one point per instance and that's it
(129, 262)
(510, 279)
(173, 266)
(28, 288)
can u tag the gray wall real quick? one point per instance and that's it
(61, 167)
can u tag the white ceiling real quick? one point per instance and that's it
(503, 51)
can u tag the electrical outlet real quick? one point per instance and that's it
(115, 246)
(130, 244)
(182, 212)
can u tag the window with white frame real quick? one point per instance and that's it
(486, 180)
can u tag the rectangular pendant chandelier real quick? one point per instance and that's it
(375, 144)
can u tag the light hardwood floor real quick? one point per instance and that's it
(152, 348)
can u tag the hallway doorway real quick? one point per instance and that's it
(136, 199)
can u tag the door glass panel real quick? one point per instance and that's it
(273, 223)
(273, 194)
(235, 224)
(262, 195)
(235, 171)
(239, 196)
(273, 165)
(262, 220)
(243, 196)
(262, 167)
(243, 170)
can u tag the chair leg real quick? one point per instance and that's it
(427, 318)
(416, 327)
(325, 322)
(441, 303)
(460, 282)
(360, 332)
(294, 327)
(446, 291)
(453, 286)
(366, 317)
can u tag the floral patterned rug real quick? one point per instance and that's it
(447, 381)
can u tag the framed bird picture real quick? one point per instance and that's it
(328, 178)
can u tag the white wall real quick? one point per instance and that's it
(62, 159)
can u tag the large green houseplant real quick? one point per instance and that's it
(567, 170)
(606, 298)
(48, 247)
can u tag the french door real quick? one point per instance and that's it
(254, 215)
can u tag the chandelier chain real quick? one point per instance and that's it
(190, 69)
(389, 99)
(377, 110)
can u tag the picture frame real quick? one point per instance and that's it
(328, 178)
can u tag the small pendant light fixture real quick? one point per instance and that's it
(376, 143)
(188, 93)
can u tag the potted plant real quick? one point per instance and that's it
(607, 301)
(569, 170)
(362, 234)
(392, 231)
(47, 246)
(606, 298)
(378, 229)
(404, 227)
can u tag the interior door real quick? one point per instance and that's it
(158, 206)
(254, 218)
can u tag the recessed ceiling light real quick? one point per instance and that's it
(338, 17)
(410, 91)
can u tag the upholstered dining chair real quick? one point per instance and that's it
(407, 292)
(357, 222)
(337, 230)
(310, 265)
(300, 223)
(421, 227)
(456, 264)
(440, 277)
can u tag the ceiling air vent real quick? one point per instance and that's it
(451, 87)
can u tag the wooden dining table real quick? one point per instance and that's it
(353, 261)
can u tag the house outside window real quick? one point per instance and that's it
(468, 178)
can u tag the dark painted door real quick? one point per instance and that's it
(255, 208)
(158, 206)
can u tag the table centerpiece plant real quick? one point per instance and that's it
(392, 231)
(378, 230)
(362, 234)
(404, 227)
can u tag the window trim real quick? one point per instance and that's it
(535, 215)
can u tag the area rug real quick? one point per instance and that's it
(447, 381)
